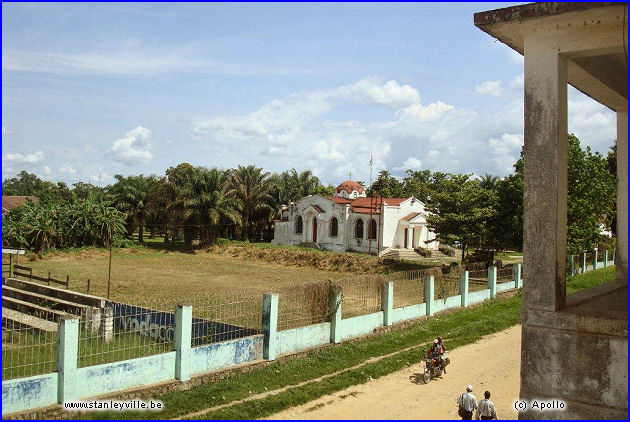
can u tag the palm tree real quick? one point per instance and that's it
(110, 224)
(208, 200)
(132, 196)
(251, 187)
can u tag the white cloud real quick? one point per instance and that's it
(412, 163)
(67, 169)
(518, 81)
(370, 91)
(134, 147)
(46, 171)
(29, 158)
(422, 114)
(493, 88)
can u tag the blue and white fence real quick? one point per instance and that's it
(188, 358)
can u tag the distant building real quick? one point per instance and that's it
(350, 220)
(10, 202)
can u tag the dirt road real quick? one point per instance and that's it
(403, 395)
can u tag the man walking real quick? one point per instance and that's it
(485, 410)
(467, 404)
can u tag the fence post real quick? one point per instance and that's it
(183, 330)
(583, 262)
(595, 260)
(10, 265)
(614, 253)
(429, 293)
(67, 282)
(517, 275)
(270, 325)
(605, 258)
(29, 279)
(387, 304)
(492, 281)
(571, 265)
(67, 357)
(334, 310)
(88, 286)
(463, 288)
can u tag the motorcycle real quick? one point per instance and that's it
(432, 369)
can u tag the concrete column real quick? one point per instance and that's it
(517, 275)
(335, 315)
(622, 196)
(107, 323)
(429, 294)
(605, 258)
(409, 244)
(595, 260)
(583, 262)
(270, 325)
(545, 175)
(571, 264)
(183, 334)
(67, 358)
(463, 288)
(492, 281)
(388, 303)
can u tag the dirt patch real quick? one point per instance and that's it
(491, 364)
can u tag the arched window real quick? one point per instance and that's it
(334, 227)
(298, 225)
(373, 229)
(358, 229)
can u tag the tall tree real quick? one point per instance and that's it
(460, 210)
(132, 194)
(251, 188)
(386, 185)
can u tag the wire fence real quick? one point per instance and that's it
(505, 274)
(123, 331)
(447, 284)
(410, 291)
(477, 280)
(27, 350)
(362, 296)
(303, 305)
(225, 316)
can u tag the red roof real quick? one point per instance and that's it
(349, 186)
(10, 202)
(411, 216)
(363, 205)
(339, 200)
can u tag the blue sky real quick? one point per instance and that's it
(93, 90)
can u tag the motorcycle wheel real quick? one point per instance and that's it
(427, 377)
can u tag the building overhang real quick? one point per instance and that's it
(593, 37)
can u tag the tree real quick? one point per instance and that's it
(208, 200)
(591, 196)
(386, 185)
(460, 210)
(131, 196)
(417, 184)
(251, 188)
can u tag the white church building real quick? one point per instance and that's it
(351, 221)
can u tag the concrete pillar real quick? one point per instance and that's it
(463, 288)
(492, 281)
(409, 244)
(335, 315)
(583, 262)
(605, 258)
(570, 258)
(107, 323)
(67, 358)
(429, 293)
(622, 196)
(388, 303)
(183, 333)
(270, 325)
(517, 275)
(545, 175)
(595, 260)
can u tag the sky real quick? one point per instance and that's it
(94, 90)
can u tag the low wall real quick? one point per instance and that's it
(501, 287)
(409, 312)
(447, 303)
(110, 377)
(225, 354)
(302, 338)
(360, 325)
(478, 296)
(29, 393)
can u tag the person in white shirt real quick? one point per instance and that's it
(485, 410)
(467, 404)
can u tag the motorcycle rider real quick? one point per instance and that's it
(441, 343)
(435, 353)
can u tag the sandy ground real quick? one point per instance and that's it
(403, 395)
